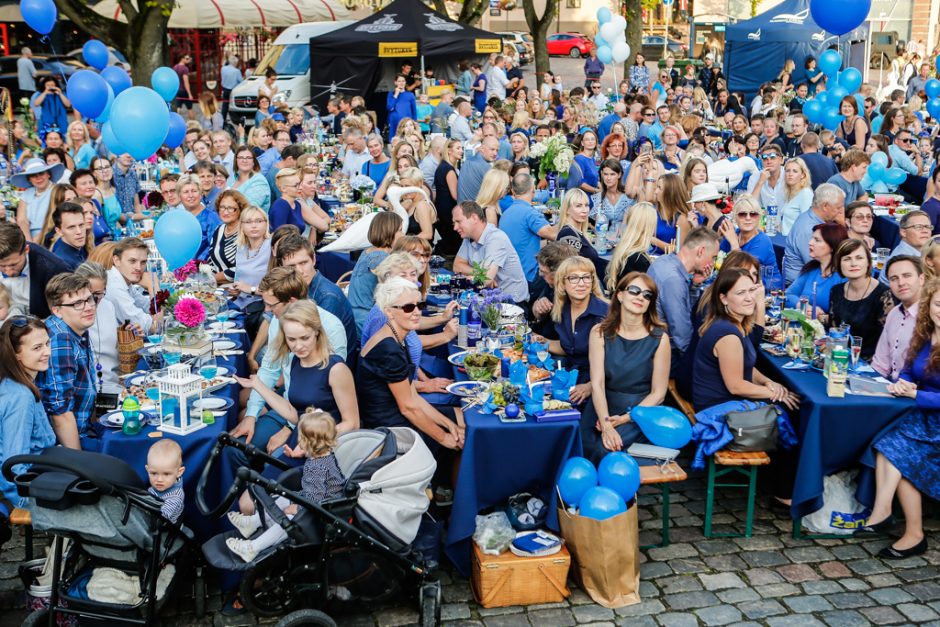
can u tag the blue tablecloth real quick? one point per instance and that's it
(492, 470)
(334, 265)
(834, 433)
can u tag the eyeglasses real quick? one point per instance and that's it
(245, 157)
(410, 307)
(770, 155)
(103, 168)
(919, 227)
(648, 114)
(904, 140)
(229, 208)
(864, 217)
(22, 321)
(258, 221)
(420, 255)
(574, 279)
(748, 214)
(636, 290)
(98, 296)
(81, 305)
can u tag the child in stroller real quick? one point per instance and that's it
(322, 480)
(164, 471)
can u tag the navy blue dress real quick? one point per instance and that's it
(914, 445)
(575, 342)
(708, 386)
(387, 362)
(310, 387)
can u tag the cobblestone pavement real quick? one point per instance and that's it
(768, 579)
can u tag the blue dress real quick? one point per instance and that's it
(803, 286)
(283, 213)
(665, 232)
(99, 227)
(575, 341)
(914, 445)
(386, 362)
(589, 173)
(399, 108)
(310, 387)
(708, 386)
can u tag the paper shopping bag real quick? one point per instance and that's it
(606, 556)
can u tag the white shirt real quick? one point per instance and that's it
(353, 161)
(769, 196)
(19, 289)
(103, 336)
(460, 129)
(496, 82)
(599, 101)
(227, 160)
(128, 300)
(26, 74)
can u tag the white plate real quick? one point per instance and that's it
(509, 312)
(466, 388)
(114, 418)
(211, 402)
(457, 358)
(223, 345)
(222, 326)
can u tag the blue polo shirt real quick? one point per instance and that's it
(73, 257)
(574, 341)
(522, 222)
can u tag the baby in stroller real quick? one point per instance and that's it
(164, 471)
(322, 480)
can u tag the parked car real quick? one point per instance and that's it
(653, 47)
(884, 46)
(572, 45)
(522, 54)
(44, 64)
(519, 38)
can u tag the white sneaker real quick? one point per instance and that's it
(242, 547)
(245, 523)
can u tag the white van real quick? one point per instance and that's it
(290, 58)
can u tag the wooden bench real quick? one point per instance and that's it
(734, 463)
(662, 476)
(22, 518)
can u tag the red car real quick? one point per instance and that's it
(573, 45)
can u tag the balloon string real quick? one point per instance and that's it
(46, 40)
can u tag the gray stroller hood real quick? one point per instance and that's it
(395, 495)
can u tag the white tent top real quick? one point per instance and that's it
(241, 13)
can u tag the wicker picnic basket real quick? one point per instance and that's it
(508, 579)
(128, 345)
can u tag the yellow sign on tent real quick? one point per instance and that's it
(485, 46)
(398, 49)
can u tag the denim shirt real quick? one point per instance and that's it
(24, 430)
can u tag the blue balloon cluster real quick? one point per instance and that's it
(826, 107)
(603, 492)
(879, 176)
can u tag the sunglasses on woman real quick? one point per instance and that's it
(410, 307)
(21, 321)
(636, 290)
(748, 214)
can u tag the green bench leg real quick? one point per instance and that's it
(664, 530)
(713, 475)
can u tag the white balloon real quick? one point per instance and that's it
(610, 31)
(620, 21)
(621, 51)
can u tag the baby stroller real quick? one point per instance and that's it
(341, 552)
(124, 559)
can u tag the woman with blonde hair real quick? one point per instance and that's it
(409, 198)
(102, 254)
(701, 105)
(536, 110)
(573, 225)
(520, 122)
(632, 251)
(207, 113)
(79, 145)
(579, 305)
(930, 255)
(786, 82)
(420, 251)
(751, 239)
(519, 145)
(403, 157)
(252, 255)
(798, 194)
(495, 187)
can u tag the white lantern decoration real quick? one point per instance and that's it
(180, 396)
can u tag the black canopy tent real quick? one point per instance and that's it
(363, 57)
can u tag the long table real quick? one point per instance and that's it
(834, 433)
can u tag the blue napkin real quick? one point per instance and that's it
(562, 381)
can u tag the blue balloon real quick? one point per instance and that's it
(605, 54)
(832, 118)
(876, 172)
(106, 114)
(599, 41)
(166, 82)
(823, 98)
(40, 15)
(177, 132)
(88, 93)
(876, 124)
(851, 79)
(932, 88)
(112, 143)
(578, 475)
(619, 472)
(601, 503)
(933, 108)
(95, 54)
(880, 157)
(140, 120)
(839, 16)
(603, 15)
(663, 426)
(177, 235)
(894, 176)
(836, 94)
(813, 110)
(117, 78)
(860, 101)
(879, 187)
(829, 62)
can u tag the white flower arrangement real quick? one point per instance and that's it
(555, 155)
(362, 183)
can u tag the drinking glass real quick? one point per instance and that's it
(156, 332)
(208, 367)
(172, 354)
(881, 256)
(856, 350)
(795, 341)
(222, 316)
(809, 350)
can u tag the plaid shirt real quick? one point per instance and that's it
(69, 383)
(126, 187)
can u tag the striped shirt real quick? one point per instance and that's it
(69, 383)
(173, 501)
(222, 251)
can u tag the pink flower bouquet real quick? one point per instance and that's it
(189, 311)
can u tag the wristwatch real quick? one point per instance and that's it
(253, 289)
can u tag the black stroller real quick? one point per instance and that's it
(117, 534)
(341, 553)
